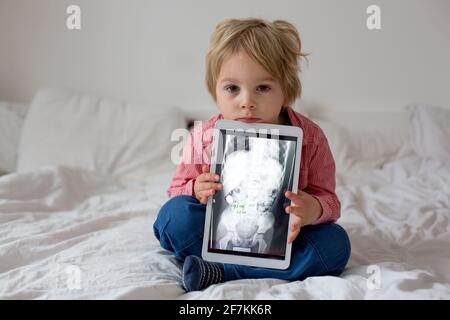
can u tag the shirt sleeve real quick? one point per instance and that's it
(189, 168)
(322, 180)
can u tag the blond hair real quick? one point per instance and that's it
(274, 45)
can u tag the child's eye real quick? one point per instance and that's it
(264, 88)
(231, 89)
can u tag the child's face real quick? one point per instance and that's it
(245, 89)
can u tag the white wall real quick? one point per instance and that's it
(153, 51)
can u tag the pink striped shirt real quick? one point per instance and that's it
(317, 167)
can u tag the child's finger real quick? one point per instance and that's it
(211, 185)
(206, 197)
(208, 177)
(205, 168)
(292, 196)
(293, 235)
(206, 193)
(296, 224)
(296, 210)
(202, 198)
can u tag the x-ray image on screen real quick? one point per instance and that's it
(248, 216)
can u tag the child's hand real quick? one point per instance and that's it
(305, 210)
(206, 185)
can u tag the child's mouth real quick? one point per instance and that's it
(249, 119)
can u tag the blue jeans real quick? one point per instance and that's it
(318, 250)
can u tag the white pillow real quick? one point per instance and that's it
(84, 130)
(12, 116)
(365, 139)
(430, 130)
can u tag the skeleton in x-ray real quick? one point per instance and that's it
(251, 181)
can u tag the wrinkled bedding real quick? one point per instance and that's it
(68, 233)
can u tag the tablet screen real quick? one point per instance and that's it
(248, 215)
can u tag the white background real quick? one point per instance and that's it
(153, 51)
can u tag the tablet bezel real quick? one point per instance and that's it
(265, 262)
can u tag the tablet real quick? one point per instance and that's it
(246, 222)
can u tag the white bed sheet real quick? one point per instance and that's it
(66, 233)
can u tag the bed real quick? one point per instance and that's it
(77, 226)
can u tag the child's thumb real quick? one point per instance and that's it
(205, 168)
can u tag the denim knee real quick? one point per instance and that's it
(180, 218)
(343, 250)
(332, 244)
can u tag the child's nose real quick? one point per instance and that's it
(248, 102)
